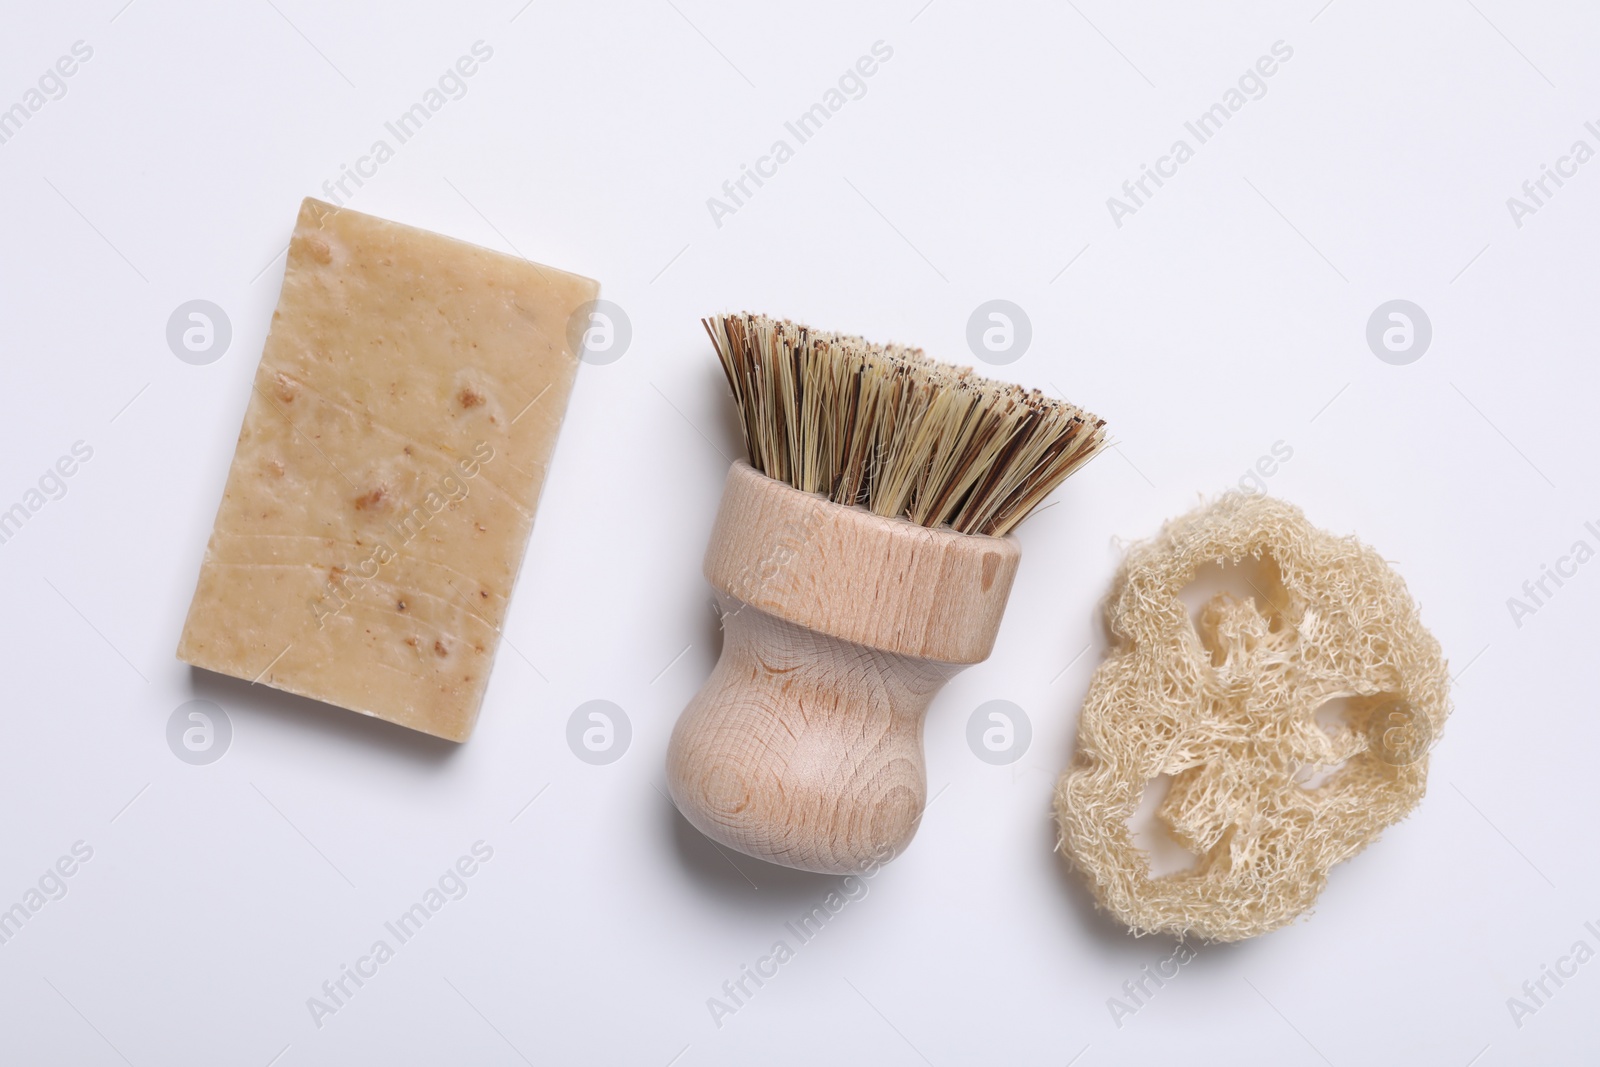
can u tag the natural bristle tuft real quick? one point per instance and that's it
(887, 428)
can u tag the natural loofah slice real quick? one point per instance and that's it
(1229, 712)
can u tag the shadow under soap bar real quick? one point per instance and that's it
(385, 480)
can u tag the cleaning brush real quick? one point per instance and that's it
(860, 560)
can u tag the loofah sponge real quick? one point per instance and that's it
(1228, 710)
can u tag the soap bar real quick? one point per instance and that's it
(383, 489)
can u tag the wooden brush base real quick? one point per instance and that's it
(804, 747)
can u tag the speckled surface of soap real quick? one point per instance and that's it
(383, 489)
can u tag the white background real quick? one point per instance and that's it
(1227, 315)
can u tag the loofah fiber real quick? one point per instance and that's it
(1228, 710)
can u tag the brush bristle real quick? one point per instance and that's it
(887, 428)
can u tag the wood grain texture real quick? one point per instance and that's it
(805, 746)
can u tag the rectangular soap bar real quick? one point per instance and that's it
(385, 480)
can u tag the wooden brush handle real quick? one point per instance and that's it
(805, 746)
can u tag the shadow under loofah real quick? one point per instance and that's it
(1228, 708)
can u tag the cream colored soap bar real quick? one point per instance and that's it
(384, 484)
